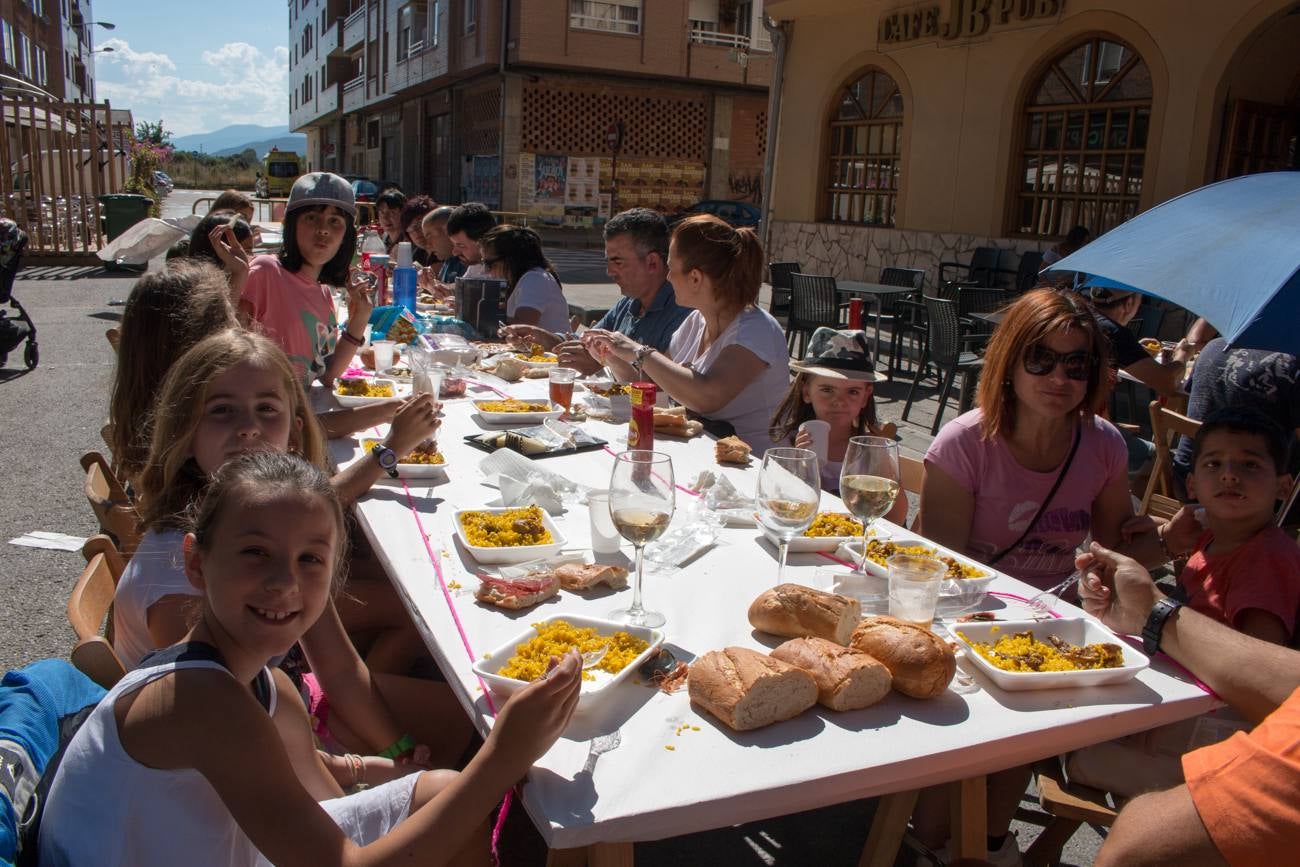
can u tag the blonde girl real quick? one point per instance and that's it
(235, 393)
(205, 751)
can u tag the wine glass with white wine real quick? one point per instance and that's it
(869, 481)
(642, 496)
(789, 489)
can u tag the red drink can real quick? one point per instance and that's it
(641, 430)
(855, 312)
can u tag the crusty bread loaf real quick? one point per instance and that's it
(846, 679)
(795, 611)
(747, 689)
(921, 662)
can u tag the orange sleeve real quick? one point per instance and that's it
(1247, 790)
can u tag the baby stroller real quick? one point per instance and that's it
(14, 329)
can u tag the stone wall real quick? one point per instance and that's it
(860, 252)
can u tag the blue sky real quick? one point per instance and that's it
(198, 64)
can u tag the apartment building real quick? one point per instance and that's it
(561, 109)
(47, 44)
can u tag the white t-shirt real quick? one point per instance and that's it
(751, 411)
(157, 569)
(539, 290)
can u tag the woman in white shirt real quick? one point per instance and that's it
(514, 254)
(728, 361)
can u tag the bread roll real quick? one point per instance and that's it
(748, 690)
(921, 662)
(846, 679)
(731, 450)
(795, 611)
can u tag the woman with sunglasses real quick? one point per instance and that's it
(514, 254)
(1021, 481)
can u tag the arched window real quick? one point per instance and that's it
(866, 140)
(1084, 145)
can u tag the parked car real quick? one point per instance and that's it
(366, 190)
(162, 183)
(736, 214)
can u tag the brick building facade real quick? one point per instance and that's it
(439, 97)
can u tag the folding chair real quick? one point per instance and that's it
(1165, 425)
(108, 500)
(90, 607)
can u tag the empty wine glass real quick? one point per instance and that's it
(869, 481)
(642, 497)
(789, 489)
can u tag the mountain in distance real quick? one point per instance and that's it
(289, 142)
(236, 137)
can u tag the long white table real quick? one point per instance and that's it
(713, 777)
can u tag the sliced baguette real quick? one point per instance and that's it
(846, 679)
(748, 690)
(795, 611)
(921, 662)
(584, 576)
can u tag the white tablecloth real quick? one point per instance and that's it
(714, 777)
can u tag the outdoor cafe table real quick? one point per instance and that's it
(876, 293)
(714, 777)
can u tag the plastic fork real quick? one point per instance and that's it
(593, 657)
(600, 746)
(1037, 604)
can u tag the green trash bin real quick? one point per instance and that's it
(121, 211)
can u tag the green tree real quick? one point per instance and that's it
(154, 133)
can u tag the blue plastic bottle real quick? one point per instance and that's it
(404, 278)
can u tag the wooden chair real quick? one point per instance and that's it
(1165, 426)
(90, 607)
(1070, 805)
(114, 336)
(117, 516)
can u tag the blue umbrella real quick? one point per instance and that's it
(1229, 252)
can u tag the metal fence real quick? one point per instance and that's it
(56, 160)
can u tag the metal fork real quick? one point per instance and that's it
(600, 746)
(1040, 608)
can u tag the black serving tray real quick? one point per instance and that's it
(584, 442)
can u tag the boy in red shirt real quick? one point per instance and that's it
(1244, 571)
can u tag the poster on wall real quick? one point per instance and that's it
(526, 169)
(485, 181)
(549, 173)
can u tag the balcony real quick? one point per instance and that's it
(324, 104)
(332, 39)
(605, 24)
(354, 94)
(354, 29)
(713, 37)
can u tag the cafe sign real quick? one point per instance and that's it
(960, 19)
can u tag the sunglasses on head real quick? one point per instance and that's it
(1040, 361)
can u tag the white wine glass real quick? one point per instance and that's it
(642, 497)
(789, 490)
(869, 481)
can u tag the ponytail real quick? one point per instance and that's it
(731, 258)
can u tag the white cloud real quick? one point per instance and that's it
(244, 85)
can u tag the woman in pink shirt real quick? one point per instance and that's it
(1022, 480)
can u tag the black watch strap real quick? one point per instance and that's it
(387, 458)
(1155, 625)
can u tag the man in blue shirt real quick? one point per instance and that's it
(636, 258)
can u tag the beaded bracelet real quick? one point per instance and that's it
(402, 746)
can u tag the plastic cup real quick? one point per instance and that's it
(914, 584)
(820, 431)
(385, 350)
(561, 379)
(605, 538)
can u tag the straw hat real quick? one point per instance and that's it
(838, 354)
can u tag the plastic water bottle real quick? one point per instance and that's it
(372, 243)
(404, 278)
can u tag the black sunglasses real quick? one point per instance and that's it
(1040, 361)
(490, 263)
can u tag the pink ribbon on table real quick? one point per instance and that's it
(683, 489)
(499, 826)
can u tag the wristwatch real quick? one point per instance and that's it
(639, 357)
(387, 458)
(1160, 613)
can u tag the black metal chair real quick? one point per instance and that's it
(946, 350)
(905, 323)
(983, 269)
(1027, 271)
(814, 303)
(779, 278)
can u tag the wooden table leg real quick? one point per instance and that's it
(609, 855)
(887, 829)
(969, 806)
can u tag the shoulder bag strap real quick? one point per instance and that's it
(1060, 477)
